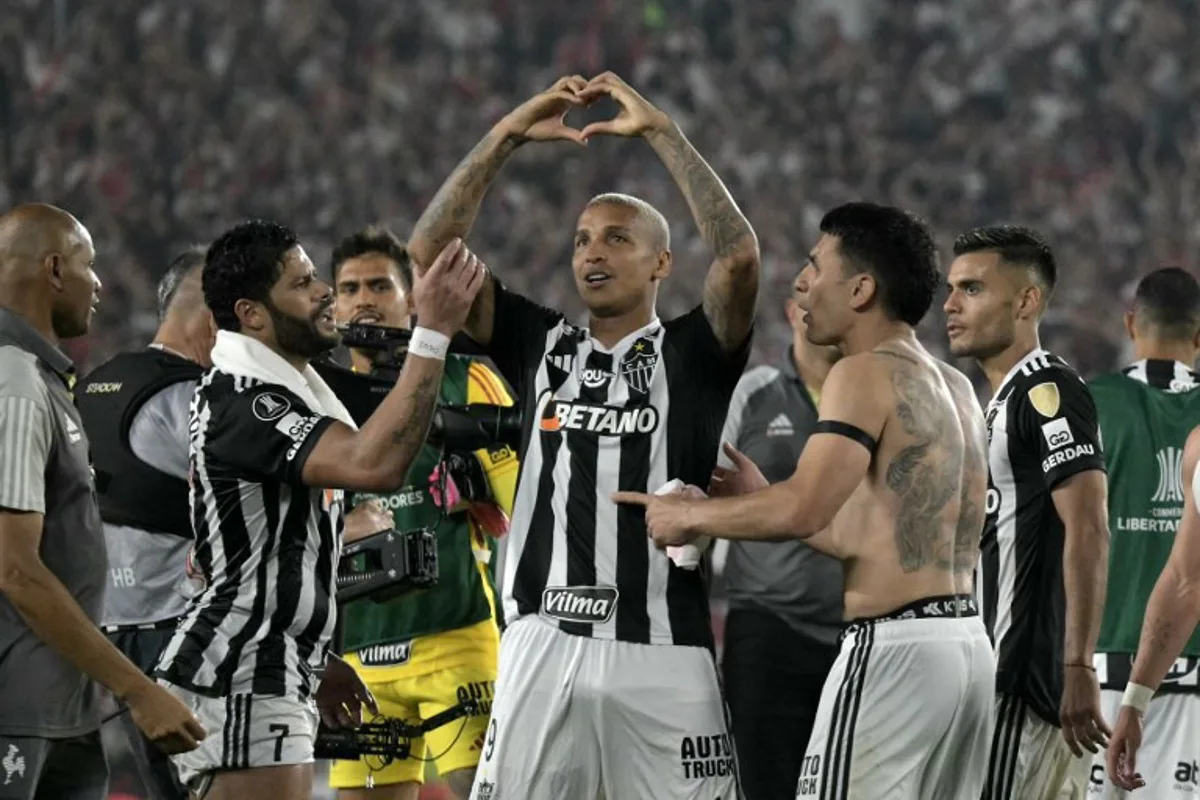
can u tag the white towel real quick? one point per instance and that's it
(238, 354)
(686, 556)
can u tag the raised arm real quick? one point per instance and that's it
(833, 464)
(453, 209)
(731, 287)
(377, 457)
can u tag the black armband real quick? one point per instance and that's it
(849, 431)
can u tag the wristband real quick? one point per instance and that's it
(428, 344)
(1137, 697)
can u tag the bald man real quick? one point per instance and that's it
(135, 413)
(52, 559)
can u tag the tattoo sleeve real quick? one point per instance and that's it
(452, 211)
(731, 289)
(409, 435)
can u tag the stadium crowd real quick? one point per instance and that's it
(160, 122)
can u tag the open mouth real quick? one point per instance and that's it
(597, 278)
(367, 318)
(326, 316)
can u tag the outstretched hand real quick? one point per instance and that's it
(637, 116)
(668, 516)
(744, 477)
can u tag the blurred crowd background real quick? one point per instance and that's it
(160, 122)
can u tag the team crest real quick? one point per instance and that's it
(637, 365)
(1044, 397)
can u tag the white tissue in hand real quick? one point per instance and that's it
(685, 556)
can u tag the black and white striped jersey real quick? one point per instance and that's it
(1042, 429)
(267, 545)
(596, 421)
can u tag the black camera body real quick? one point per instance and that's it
(390, 739)
(387, 564)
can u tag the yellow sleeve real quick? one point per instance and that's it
(500, 465)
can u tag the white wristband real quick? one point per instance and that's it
(428, 344)
(1137, 697)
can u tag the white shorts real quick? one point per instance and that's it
(1169, 758)
(575, 717)
(906, 712)
(245, 731)
(1030, 759)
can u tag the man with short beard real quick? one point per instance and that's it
(271, 451)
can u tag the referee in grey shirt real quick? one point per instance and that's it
(52, 559)
(785, 599)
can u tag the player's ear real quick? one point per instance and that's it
(252, 315)
(863, 290)
(663, 268)
(1029, 302)
(1131, 329)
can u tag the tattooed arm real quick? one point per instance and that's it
(377, 457)
(1173, 610)
(453, 209)
(731, 288)
(830, 468)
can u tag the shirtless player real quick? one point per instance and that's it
(892, 482)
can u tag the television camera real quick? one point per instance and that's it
(392, 563)
(388, 738)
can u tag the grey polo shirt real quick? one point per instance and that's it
(770, 418)
(45, 469)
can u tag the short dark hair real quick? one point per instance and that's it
(182, 266)
(1169, 300)
(1015, 244)
(896, 247)
(374, 239)
(244, 263)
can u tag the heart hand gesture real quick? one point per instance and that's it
(542, 118)
(637, 116)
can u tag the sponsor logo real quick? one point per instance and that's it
(637, 365)
(952, 607)
(1057, 433)
(595, 378)
(780, 426)
(1170, 476)
(580, 603)
(1187, 776)
(405, 498)
(73, 432)
(268, 406)
(385, 655)
(810, 776)
(562, 415)
(296, 428)
(13, 763)
(562, 362)
(708, 756)
(485, 790)
(501, 456)
(479, 691)
(1067, 454)
(1045, 398)
(103, 388)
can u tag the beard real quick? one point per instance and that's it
(300, 336)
